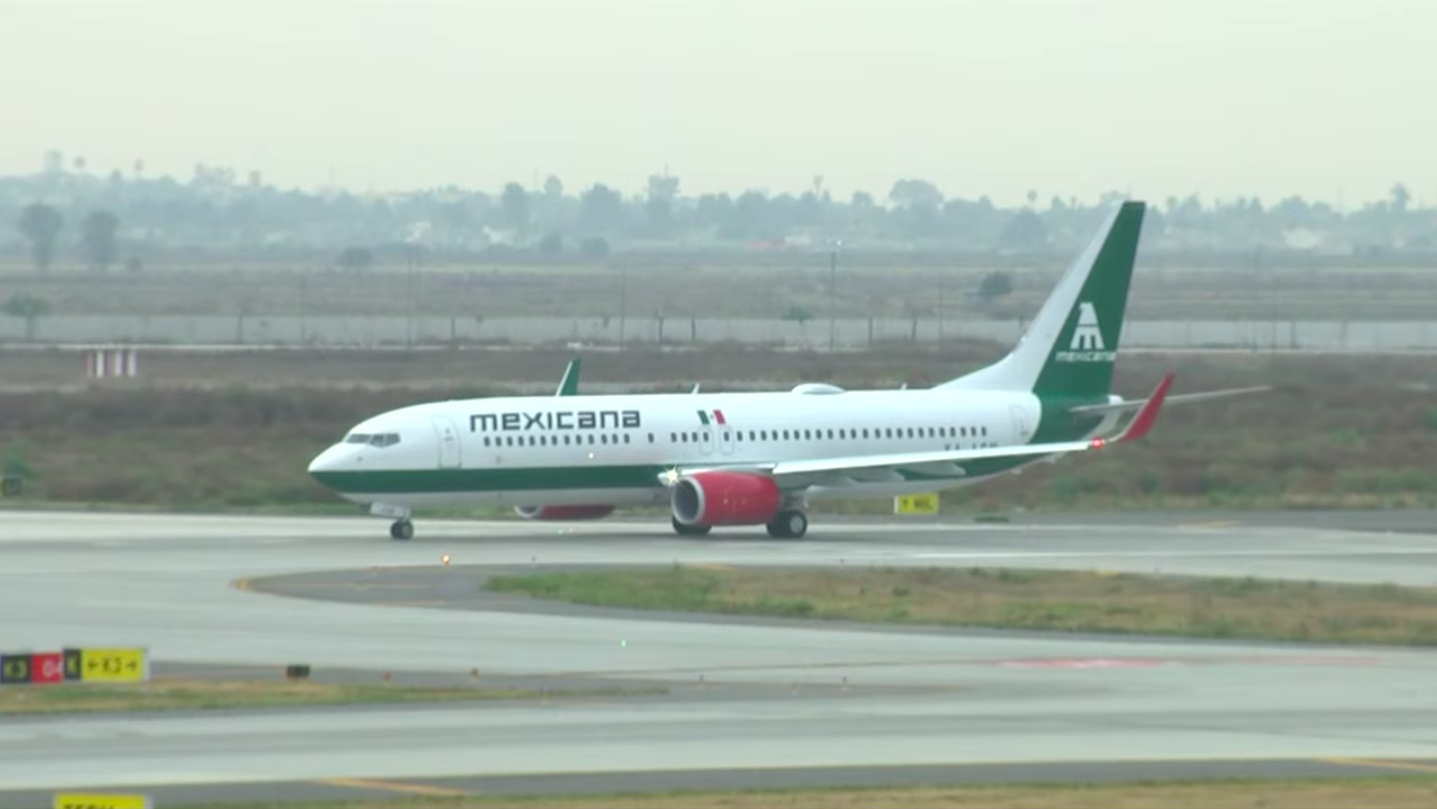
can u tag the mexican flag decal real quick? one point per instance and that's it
(711, 417)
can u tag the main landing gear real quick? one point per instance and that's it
(401, 529)
(784, 525)
(788, 525)
(689, 530)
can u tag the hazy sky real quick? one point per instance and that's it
(1073, 97)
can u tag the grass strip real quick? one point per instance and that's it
(1405, 792)
(1072, 601)
(166, 694)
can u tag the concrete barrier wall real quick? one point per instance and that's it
(375, 331)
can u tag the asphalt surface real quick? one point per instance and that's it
(743, 703)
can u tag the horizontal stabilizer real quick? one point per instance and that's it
(1186, 398)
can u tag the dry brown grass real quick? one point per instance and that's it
(166, 693)
(884, 365)
(1337, 432)
(1417, 792)
(683, 286)
(1018, 599)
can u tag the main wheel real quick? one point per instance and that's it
(689, 530)
(788, 525)
(401, 529)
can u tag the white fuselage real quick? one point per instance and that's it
(585, 450)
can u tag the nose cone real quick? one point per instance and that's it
(326, 462)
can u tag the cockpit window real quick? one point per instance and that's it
(373, 439)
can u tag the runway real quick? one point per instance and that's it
(747, 702)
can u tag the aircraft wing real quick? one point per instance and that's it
(942, 462)
(1182, 398)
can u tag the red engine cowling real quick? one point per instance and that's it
(725, 498)
(563, 512)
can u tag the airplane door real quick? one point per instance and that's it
(725, 440)
(1020, 422)
(706, 440)
(450, 452)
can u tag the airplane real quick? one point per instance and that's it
(761, 458)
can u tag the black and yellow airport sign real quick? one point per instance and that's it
(916, 504)
(15, 668)
(86, 800)
(119, 665)
(107, 665)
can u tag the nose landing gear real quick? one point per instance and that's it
(401, 528)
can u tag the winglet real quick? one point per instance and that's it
(569, 385)
(1143, 421)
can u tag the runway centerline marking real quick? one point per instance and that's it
(392, 786)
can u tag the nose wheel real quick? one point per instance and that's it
(402, 530)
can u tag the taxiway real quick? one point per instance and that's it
(746, 702)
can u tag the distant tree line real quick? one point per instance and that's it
(214, 213)
(43, 226)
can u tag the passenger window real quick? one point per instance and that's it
(626, 438)
(603, 439)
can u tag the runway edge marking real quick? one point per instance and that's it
(392, 786)
(1429, 767)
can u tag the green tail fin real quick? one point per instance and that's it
(1069, 350)
(569, 385)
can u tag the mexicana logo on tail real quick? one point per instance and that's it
(1087, 343)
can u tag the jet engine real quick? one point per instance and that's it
(563, 512)
(725, 498)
